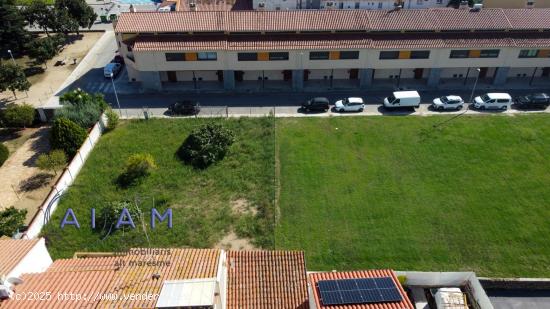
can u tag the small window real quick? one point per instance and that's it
(175, 56)
(319, 55)
(389, 55)
(278, 56)
(528, 53)
(489, 53)
(420, 54)
(349, 55)
(459, 54)
(503, 101)
(356, 5)
(207, 56)
(247, 56)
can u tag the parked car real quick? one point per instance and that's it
(448, 102)
(316, 104)
(351, 104)
(402, 99)
(536, 100)
(112, 68)
(187, 107)
(493, 101)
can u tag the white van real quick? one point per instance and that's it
(402, 99)
(493, 101)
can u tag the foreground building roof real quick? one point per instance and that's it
(266, 279)
(314, 279)
(442, 19)
(12, 251)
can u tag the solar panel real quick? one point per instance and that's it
(358, 291)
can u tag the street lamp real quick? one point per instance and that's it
(11, 55)
(116, 95)
(475, 84)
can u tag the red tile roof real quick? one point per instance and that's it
(340, 41)
(267, 280)
(13, 251)
(316, 277)
(93, 276)
(334, 20)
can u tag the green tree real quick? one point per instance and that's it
(52, 162)
(12, 77)
(11, 219)
(67, 136)
(79, 11)
(18, 116)
(13, 35)
(42, 50)
(79, 97)
(41, 15)
(206, 145)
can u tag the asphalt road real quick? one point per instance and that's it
(284, 104)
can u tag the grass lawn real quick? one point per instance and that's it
(201, 200)
(375, 192)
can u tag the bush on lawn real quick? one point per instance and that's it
(67, 136)
(112, 119)
(206, 145)
(108, 215)
(52, 162)
(11, 219)
(4, 153)
(137, 166)
(18, 116)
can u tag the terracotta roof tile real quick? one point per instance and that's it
(334, 20)
(12, 251)
(266, 279)
(316, 277)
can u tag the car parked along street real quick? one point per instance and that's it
(186, 107)
(351, 104)
(448, 102)
(316, 104)
(536, 100)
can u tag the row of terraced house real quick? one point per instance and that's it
(335, 48)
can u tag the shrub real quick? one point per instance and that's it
(79, 97)
(108, 215)
(52, 162)
(11, 219)
(137, 166)
(206, 145)
(4, 153)
(18, 116)
(67, 136)
(112, 119)
(85, 116)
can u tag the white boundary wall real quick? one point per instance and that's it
(66, 179)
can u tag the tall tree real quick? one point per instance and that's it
(79, 11)
(42, 50)
(41, 15)
(13, 35)
(12, 77)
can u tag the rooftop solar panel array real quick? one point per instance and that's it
(358, 291)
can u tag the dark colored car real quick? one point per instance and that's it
(316, 104)
(536, 100)
(187, 107)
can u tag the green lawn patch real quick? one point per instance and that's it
(377, 192)
(201, 200)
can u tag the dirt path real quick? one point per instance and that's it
(20, 166)
(44, 84)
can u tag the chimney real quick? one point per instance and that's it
(192, 6)
(132, 9)
(261, 6)
(463, 5)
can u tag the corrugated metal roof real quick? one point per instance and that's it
(316, 277)
(267, 280)
(334, 20)
(12, 251)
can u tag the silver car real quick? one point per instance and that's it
(448, 102)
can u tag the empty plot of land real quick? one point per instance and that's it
(377, 192)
